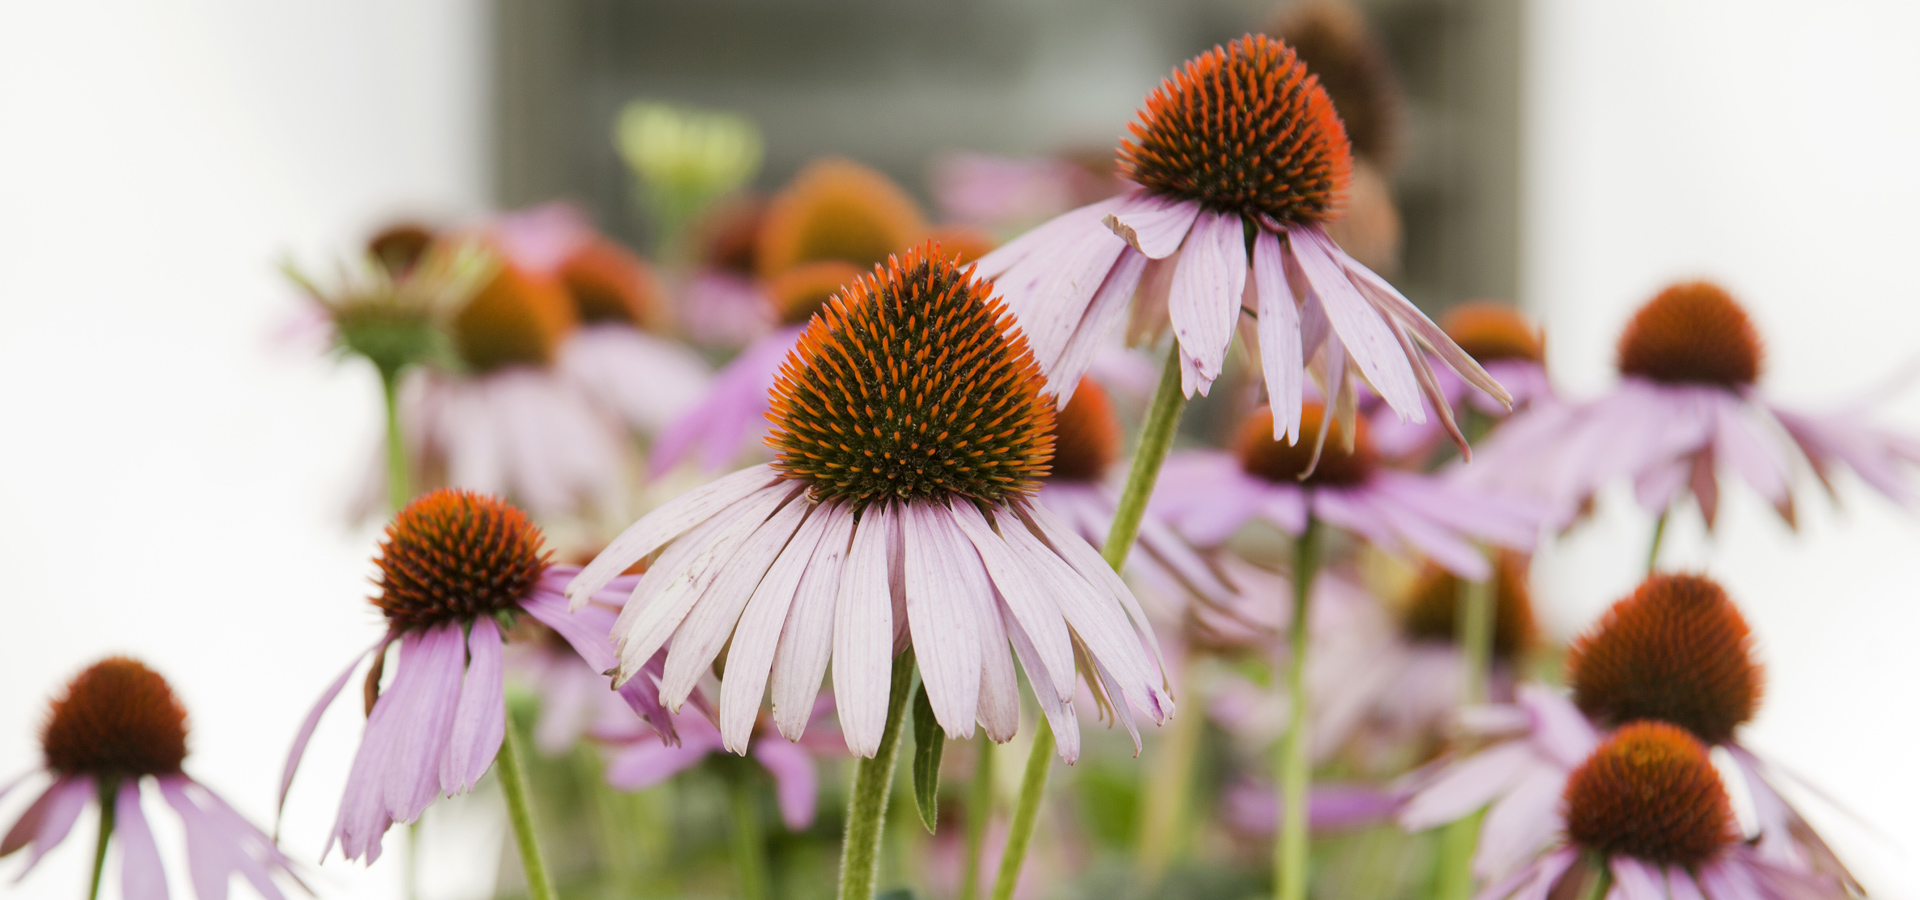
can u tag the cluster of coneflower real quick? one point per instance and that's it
(931, 507)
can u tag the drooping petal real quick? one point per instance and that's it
(644, 764)
(1139, 668)
(46, 823)
(946, 638)
(1359, 327)
(1051, 296)
(750, 658)
(1636, 880)
(480, 717)
(1154, 225)
(664, 524)
(1519, 823)
(807, 640)
(312, 722)
(1465, 786)
(1282, 360)
(863, 632)
(141, 875)
(1109, 303)
(1029, 598)
(1058, 708)
(1205, 300)
(710, 623)
(431, 669)
(1392, 304)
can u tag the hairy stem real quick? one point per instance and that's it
(1156, 438)
(513, 783)
(872, 787)
(1290, 842)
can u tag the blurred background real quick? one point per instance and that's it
(177, 460)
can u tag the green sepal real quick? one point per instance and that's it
(929, 741)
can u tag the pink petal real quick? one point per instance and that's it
(141, 875)
(710, 623)
(1518, 824)
(1358, 325)
(480, 719)
(946, 639)
(312, 722)
(1465, 786)
(863, 632)
(1392, 304)
(1560, 730)
(1109, 303)
(1058, 708)
(806, 641)
(1154, 225)
(645, 764)
(664, 524)
(1205, 300)
(1029, 597)
(1089, 609)
(1635, 880)
(750, 658)
(1278, 325)
(46, 823)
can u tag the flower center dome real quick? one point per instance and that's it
(1650, 792)
(1243, 129)
(837, 209)
(455, 555)
(517, 319)
(1086, 435)
(1433, 611)
(1676, 650)
(1494, 332)
(400, 246)
(914, 384)
(117, 719)
(1692, 333)
(1281, 462)
(608, 284)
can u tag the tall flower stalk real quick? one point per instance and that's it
(1294, 768)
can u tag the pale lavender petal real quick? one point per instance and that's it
(1104, 311)
(1636, 880)
(750, 657)
(425, 718)
(1433, 540)
(863, 632)
(1465, 786)
(1547, 874)
(1658, 487)
(1559, 729)
(664, 524)
(999, 683)
(1285, 506)
(221, 842)
(1154, 225)
(312, 721)
(1117, 703)
(1205, 496)
(1206, 295)
(795, 783)
(647, 379)
(1518, 824)
(1090, 563)
(642, 695)
(946, 640)
(46, 823)
(1044, 239)
(1028, 594)
(1051, 296)
(1392, 304)
(1278, 324)
(480, 717)
(1087, 602)
(1739, 443)
(644, 764)
(709, 624)
(1680, 885)
(1058, 708)
(1358, 325)
(806, 641)
(141, 875)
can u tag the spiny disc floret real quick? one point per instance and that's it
(1649, 792)
(913, 384)
(1676, 650)
(455, 555)
(117, 719)
(1243, 129)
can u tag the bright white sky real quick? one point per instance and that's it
(172, 479)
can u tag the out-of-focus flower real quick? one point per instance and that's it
(1276, 161)
(911, 431)
(686, 158)
(1676, 651)
(1004, 192)
(1646, 811)
(395, 311)
(1687, 403)
(1334, 42)
(722, 304)
(455, 568)
(1207, 495)
(1504, 343)
(117, 725)
(639, 759)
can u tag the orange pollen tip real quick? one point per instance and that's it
(1692, 333)
(455, 555)
(1676, 650)
(837, 209)
(802, 290)
(609, 284)
(1494, 332)
(913, 384)
(519, 318)
(1649, 792)
(1086, 435)
(118, 719)
(1433, 609)
(1243, 129)
(1280, 462)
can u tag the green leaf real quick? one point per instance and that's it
(928, 743)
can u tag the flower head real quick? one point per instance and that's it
(1650, 792)
(609, 284)
(1692, 333)
(1332, 40)
(836, 209)
(1432, 612)
(117, 719)
(455, 555)
(1243, 129)
(1348, 459)
(518, 318)
(1086, 436)
(1676, 650)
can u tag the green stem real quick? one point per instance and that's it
(1163, 821)
(1026, 811)
(1653, 548)
(872, 786)
(749, 838)
(513, 783)
(1290, 842)
(1156, 438)
(1473, 628)
(107, 792)
(399, 482)
(1602, 881)
(979, 813)
(411, 870)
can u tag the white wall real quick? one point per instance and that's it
(171, 469)
(1775, 147)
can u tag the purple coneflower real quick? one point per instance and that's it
(1676, 651)
(456, 569)
(118, 725)
(910, 429)
(1687, 403)
(1504, 343)
(1207, 495)
(1240, 149)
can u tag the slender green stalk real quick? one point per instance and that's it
(1290, 841)
(1163, 820)
(399, 481)
(979, 813)
(1026, 811)
(872, 787)
(1156, 438)
(1473, 629)
(749, 838)
(107, 792)
(411, 869)
(1602, 882)
(513, 782)
(1653, 547)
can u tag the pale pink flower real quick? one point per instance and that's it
(638, 758)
